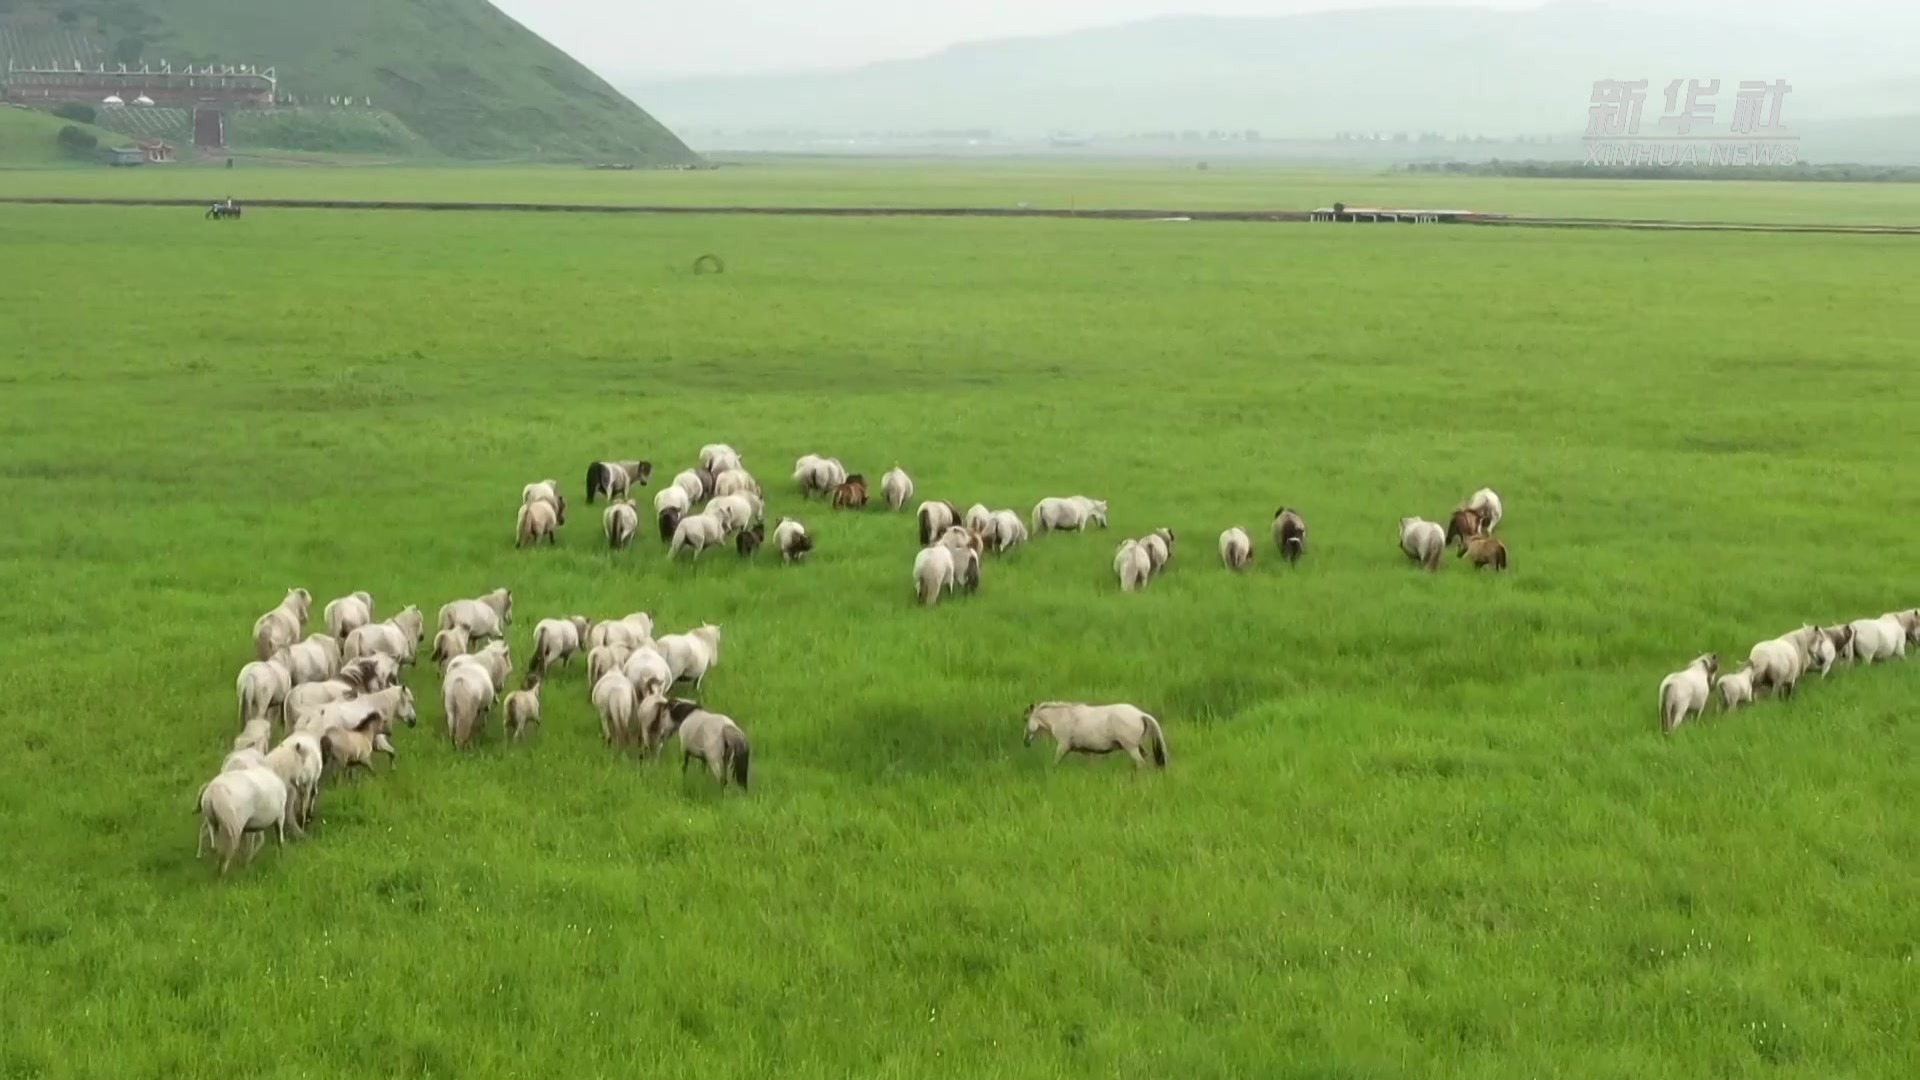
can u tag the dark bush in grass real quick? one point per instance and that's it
(76, 112)
(77, 142)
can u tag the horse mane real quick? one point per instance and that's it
(681, 708)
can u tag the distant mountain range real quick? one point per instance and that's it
(1447, 70)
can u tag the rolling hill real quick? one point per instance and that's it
(31, 138)
(461, 76)
(1449, 70)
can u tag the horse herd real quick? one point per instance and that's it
(1778, 664)
(336, 696)
(952, 544)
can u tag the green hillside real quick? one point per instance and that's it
(32, 138)
(465, 79)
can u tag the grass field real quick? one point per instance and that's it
(1413, 825)
(1054, 185)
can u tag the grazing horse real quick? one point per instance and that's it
(228, 209)
(851, 495)
(749, 540)
(1290, 534)
(1485, 551)
(1079, 728)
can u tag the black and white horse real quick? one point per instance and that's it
(228, 209)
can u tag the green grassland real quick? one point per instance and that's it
(1413, 825)
(1052, 185)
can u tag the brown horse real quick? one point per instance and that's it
(1464, 525)
(1485, 551)
(1290, 534)
(851, 495)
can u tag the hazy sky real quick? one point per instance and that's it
(639, 40)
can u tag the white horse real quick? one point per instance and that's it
(689, 655)
(1736, 689)
(255, 735)
(604, 658)
(262, 689)
(363, 675)
(1132, 565)
(1884, 638)
(977, 518)
(1423, 541)
(936, 517)
(933, 571)
(817, 475)
(1687, 692)
(896, 487)
(672, 497)
(547, 491)
(632, 631)
(534, 522)
(694, 483)
(467, 694)
(736, 482)
(1005, 531)
(316, 659)
(348, 613)
(1079, 728)
(496, 659)
(620, 523)
(1236, 549)
(298, 762)
(448, 644)
(238, 805)
(648, 670)
(483, 617)
(715, 740)
(282, 626)
(393, 703)
(1778, 664)
(1486, 503)
(523, 708)
(398, 637)
(697, 534)
(1159, 547)
(791, 539)
(615, 700)
(555, 641)
(736, 511)
(718, 458)
(1070, 514)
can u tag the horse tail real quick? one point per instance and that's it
(1296, 547)
(522, 526)
(596, 480)
(926, 526)
(1667, 694)
(1159, 740)
(538, 662)
(263, 640)
(1500, 557)
(737, 755)
(921, 583)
